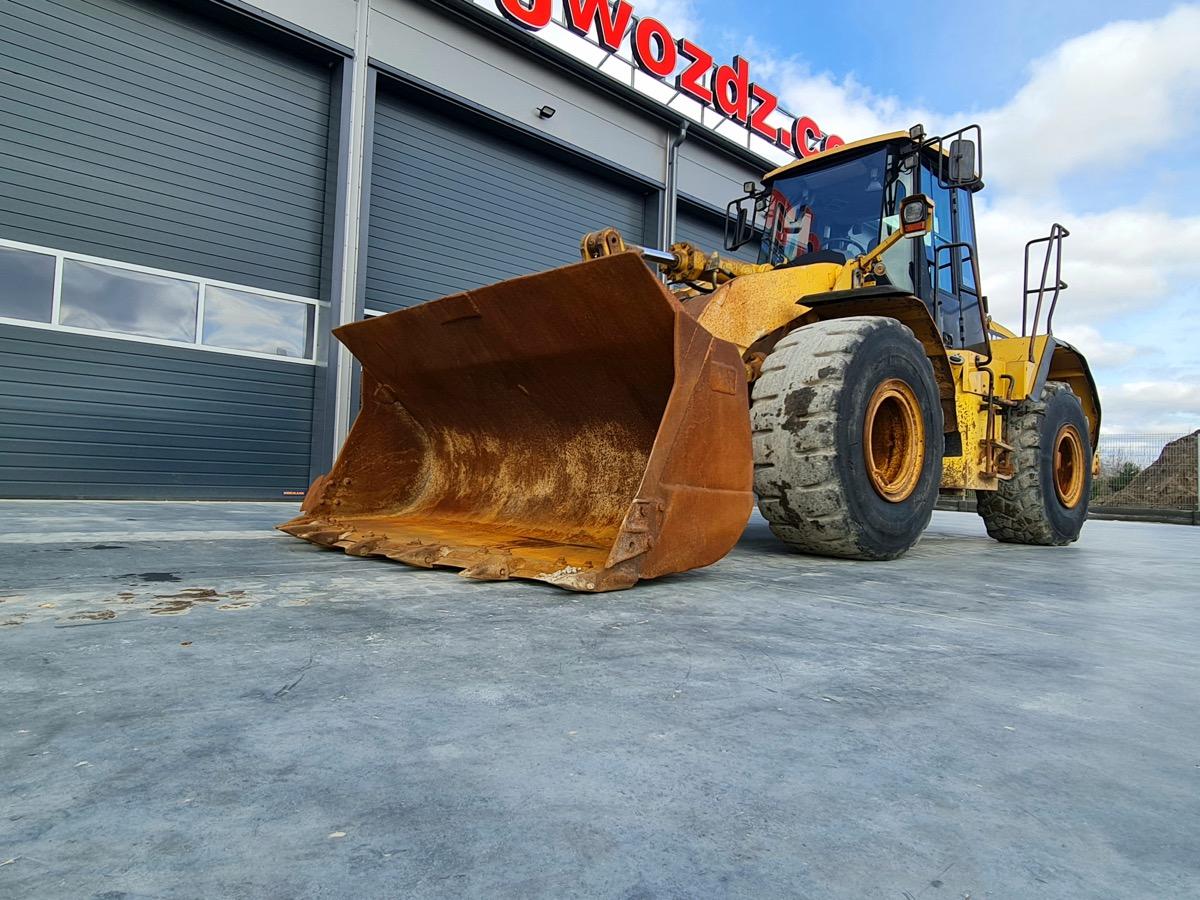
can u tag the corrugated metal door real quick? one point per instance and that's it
(144, 134)
(455, 206)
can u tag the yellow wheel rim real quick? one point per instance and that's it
(894, 440)
(1068, 466)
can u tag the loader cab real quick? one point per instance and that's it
(843, 204)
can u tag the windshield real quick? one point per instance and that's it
(840, 208)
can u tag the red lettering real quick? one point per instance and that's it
(725, 88)
(690, 79)
(654, 48)
(767, 104)
(808, 137)
(731, 90)
(611, 23)
(531, 14)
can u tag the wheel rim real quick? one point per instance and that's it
(894, 440)
(1068, 466)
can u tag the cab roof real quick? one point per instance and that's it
(878, 140)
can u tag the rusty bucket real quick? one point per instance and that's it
(575, 427)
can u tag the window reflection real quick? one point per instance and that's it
(26, 285)
(240, 320)
(111, 299)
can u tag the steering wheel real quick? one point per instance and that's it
(833, 243)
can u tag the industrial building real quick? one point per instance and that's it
(192, 194)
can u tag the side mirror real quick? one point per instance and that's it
(964, 170)
(740, 218)
(916, 215)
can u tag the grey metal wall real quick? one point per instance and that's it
(487, 69)
(84, 416)
(706, 229)
(454, 206)
(135, 132)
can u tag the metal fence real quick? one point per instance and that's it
(1148, 472)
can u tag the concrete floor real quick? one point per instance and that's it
(193, 705)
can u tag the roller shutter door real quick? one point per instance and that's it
(88, 417)
(455, 206)
(706, 229)
(139, 133)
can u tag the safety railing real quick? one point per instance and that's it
(1052, 259)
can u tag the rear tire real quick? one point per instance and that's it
(848, 438)
(1046, 501)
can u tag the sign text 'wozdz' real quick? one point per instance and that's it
(728, 89)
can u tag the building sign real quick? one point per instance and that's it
(727, 88)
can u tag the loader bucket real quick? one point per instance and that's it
(575, 427)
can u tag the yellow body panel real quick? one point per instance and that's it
(970, 390)
(854, 145)
(747, 309)
(1016, 373)
(968, 471)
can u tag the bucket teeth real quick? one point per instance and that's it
(367, 546)
(423, 556)
(486, 564)
(316, 532)
(494, 569)
(592, 580)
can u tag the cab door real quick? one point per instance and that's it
(950, 283)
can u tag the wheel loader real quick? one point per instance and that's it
(615, 419)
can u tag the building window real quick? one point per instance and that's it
(103, 298)
(46, 288)
(240, 320)
(26, 285)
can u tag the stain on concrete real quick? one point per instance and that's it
(171, 608)
(98, 614)
(196, 595)
(180, 603)
(153, 576)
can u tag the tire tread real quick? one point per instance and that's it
(798, 488)
(1015, 513)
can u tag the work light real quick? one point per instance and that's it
(915, 212)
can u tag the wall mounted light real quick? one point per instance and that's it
(546, 112)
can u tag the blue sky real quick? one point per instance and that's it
(974, 54)
(1091, 113)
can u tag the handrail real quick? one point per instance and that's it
(970, 258)
(1053, 242)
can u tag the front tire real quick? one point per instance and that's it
(1046, 501)
(848, 438)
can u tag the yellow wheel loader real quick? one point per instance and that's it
(599, 424)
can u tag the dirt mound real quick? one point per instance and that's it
(1167, 483)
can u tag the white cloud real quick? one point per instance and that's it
(680, 16)
(1115, 262)
(840, 105)
(1101, 352)
(1100, 101)
(1169, 407)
